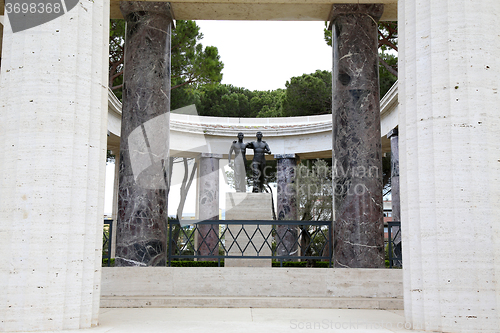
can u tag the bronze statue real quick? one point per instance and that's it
(240, 163)
(260, 148)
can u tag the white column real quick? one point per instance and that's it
(53, 118)
(114, 213)
(1, 36)
(449, 125)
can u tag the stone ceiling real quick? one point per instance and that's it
(273, 10)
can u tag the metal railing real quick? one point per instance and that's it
(394, 240)
(242, 239)
(270, 241)
(106, 240)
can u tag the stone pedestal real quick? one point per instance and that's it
(357, 152)
(248, 206)
(208, 205)
(286, 204)
(53, 118)
(449, 134)
(142, 212)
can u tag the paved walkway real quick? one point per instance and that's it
(244, 320)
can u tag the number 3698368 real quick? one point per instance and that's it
(33, 8)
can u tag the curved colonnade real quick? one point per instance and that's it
(53, 88)
(308, 137)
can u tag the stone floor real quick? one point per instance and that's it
(240, 320)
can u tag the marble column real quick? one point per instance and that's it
(208, 204)
(1, 41)
(395, 198)
(357, 153)
(449, 134)
(144, 145)
(286, 204)
(53, 119)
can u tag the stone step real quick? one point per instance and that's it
(253, 302)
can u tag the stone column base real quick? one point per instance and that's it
(248, 206)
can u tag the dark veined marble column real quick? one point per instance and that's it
(286, 204)
(144, 147)
(395, 198)
(357, 152)
(208, 204)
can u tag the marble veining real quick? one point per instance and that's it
(357, 155)
(209, 205)
(142, 198)
(395, 191)
(286, 204)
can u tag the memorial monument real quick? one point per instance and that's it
(248, 206)
(258, 165)
(240, 163)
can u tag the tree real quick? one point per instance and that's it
(191, 63)
(314, 189)
(187, 180)
(267, 104)
(388, 44)
(223, 100)
(388, 40)
(116, 55)
(184, 96)
(386, 78)
(309, 94)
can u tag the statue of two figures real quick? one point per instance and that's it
(258, 164)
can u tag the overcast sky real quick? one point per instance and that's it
(263, 55)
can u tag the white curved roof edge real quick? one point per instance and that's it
(390, 100)
(226, 126)
(280, 126)
(195, 124)
(114, 103)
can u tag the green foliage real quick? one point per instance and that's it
(386, 174)
(309, 94)
(224, 100)
(268, 104)
(189, 263)
(184, 96)
(116, 48)
(299, 264)
(191, 63)
(105, 262)
(314, 190)
(110, 158)
(388, 36)
(386, 78)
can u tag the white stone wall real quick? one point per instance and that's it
(53, 117)
(251, 282)
(449, 125)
